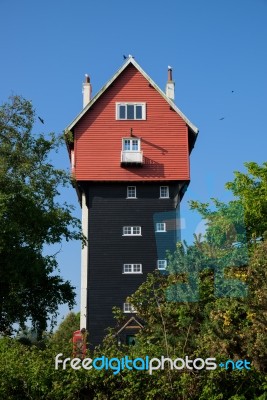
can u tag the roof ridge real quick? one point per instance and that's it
(132, 61)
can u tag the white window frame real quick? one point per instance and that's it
(129, 190)
(128, 308)
(132, 268)
(159, 265)
(161, 227)
(131, 140)
(131, 231)
(143, 105)
(167, 192)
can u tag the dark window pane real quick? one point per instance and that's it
(130, 111)
(138, 112)
(122, 112)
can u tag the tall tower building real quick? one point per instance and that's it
(129, 149)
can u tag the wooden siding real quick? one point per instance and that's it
(98, 136)
(109, 211)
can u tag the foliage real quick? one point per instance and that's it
(251, 189)
(29, 373)
(244, 218)
(66, 328)
(220, 327)
(63, 335)
(212, 303)
(31, 217)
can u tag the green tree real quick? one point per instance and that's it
(31, 217)
(251, 190)
(70, 324)
(211, 304)
(62, 337)
(247, 213)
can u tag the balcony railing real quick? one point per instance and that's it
(131, 157)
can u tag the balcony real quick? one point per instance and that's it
(132, 157)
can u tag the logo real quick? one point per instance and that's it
(147, 364)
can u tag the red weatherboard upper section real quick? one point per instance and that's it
(98, 135)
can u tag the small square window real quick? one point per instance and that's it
(128, 308)
(132, 268)
(161, 227)
(131, 231)
(131, 192)
(127, 268)
(131, 144)
(136, 230)
(164, 192)
(162, 264)
(136, 268)
(127, 230)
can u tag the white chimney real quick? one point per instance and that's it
(170, 85)
(87, 91)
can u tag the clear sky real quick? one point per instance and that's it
(218, 52)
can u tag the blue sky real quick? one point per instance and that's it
(219, 57)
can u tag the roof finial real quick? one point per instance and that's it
(126, 57)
